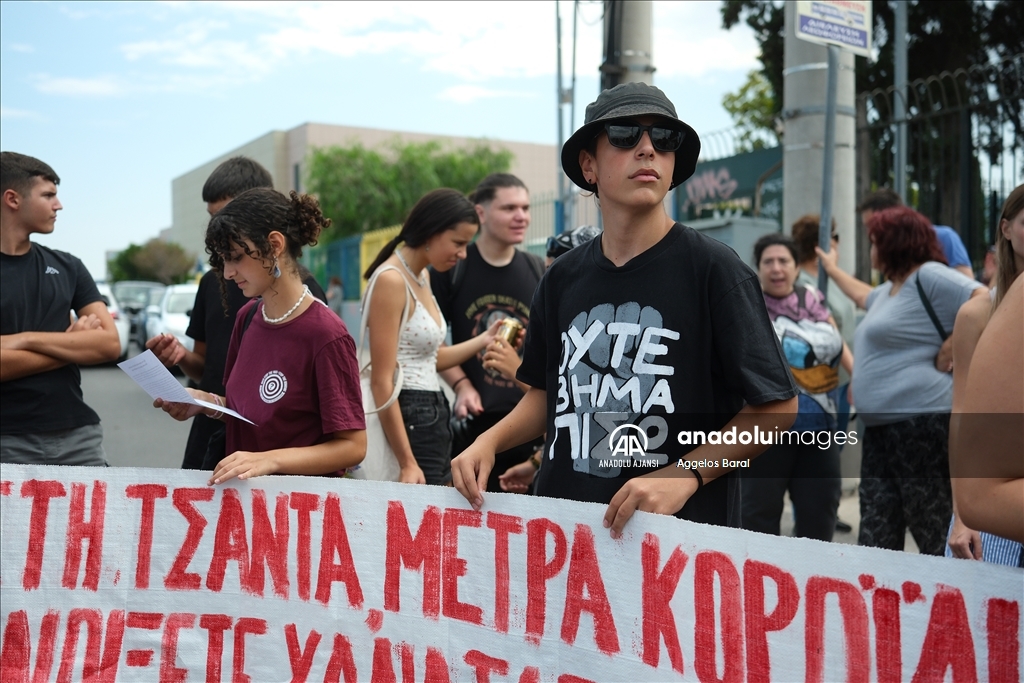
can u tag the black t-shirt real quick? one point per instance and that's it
(211, 324)
(483, 294)
(677, 338)
(38, 291)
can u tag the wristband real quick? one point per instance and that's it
(461, 379)
(219, 415)
(700, 479)
(534, 460)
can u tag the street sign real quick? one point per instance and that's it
(843, 23)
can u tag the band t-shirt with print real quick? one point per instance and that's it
(297, 380)
(676, 339)
(485, 295)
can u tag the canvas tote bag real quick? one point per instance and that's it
(380, 463)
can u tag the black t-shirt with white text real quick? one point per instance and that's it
(676, 339)
(38, 291)
(484, 294)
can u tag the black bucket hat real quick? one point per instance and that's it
(628, 101)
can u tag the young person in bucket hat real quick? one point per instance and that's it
(642, 341)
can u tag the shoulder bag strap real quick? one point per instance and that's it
(928, 307)
(364, 319)
(537, 264)
(247, 321)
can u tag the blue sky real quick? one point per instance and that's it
(120, 98)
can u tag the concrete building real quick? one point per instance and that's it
(284, 154)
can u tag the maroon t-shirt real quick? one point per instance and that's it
(298, 381)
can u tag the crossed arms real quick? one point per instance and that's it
(90, 340)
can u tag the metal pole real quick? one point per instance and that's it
(559, 96)
(828, 172)
(900, 99)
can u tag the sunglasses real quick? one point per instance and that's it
(627, 135)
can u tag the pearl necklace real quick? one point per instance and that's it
(274, 321)
(421, 281)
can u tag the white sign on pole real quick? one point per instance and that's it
(844, 23)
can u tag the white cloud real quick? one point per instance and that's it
(467, 94)
(209, 44)
(20, 47)
(99, 86)
(10, 113)
(686, 45)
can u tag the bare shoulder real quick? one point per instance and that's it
(388, 293)
(974, 314)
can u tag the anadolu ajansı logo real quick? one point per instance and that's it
(628, 441)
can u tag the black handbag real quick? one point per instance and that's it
(216, 447)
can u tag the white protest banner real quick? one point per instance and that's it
(845, 23)
(146, 575)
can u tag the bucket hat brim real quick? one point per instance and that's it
(629, 101)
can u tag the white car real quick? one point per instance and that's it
(121, 321)
(172, 314)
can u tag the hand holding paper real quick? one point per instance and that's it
(149, 373)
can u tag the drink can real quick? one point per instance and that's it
(509, 331)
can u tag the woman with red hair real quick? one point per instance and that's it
(903, 399)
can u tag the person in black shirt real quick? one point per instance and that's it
(495, 281)
(642, 339)
(43, 417)
(213, 314)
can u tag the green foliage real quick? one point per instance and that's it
(942, 36)
(122, 267)
(155, 261)
(363, 189)
(753, 111)
(767, 19)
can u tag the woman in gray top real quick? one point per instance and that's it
(903, 399)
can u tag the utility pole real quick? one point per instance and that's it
(900, 101)
(628, 55)
(805, 89)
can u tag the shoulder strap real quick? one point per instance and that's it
(247, 320)
(928, 307)
(537, 264)
(364, 308)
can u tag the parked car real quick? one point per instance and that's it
(121, 321)
(135, 297)
(172, 313)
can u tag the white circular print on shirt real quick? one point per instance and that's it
(273, 386)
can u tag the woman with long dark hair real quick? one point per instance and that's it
(436, 233)
(291, 365)
(903, 399)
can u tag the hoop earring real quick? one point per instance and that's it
(277, 269)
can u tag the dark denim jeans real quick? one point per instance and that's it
(426, 414)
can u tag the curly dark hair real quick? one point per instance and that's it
(253, 215)
(770, 240)
(904, 239)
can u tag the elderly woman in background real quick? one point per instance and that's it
(814, 349)
(902, 398)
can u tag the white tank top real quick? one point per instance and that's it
(418, 342)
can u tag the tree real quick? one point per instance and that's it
(952, 117)
(753, 110)
(156, 261)
(363, 189)
(942, 36)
